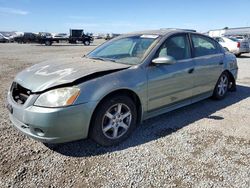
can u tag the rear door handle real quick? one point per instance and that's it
(221, 63)
(190, 71)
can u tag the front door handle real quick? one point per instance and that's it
(190, 71)
(221, 63)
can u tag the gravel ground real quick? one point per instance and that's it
(206, 144)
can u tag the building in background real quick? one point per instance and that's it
(227, 32)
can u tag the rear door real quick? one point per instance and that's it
(208, 58)
(171, 84)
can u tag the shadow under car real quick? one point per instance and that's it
(157, 127)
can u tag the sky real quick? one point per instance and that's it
(121, 16)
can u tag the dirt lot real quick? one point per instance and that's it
(206, 144)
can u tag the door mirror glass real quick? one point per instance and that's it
(167, 60)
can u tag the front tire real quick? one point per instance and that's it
(221, 87)
(113, 121)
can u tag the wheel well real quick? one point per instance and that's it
(128, 93)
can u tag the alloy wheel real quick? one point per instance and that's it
(223, 85)
(116, 121)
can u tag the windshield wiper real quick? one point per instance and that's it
(102, 59)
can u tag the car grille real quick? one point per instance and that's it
(19, 93)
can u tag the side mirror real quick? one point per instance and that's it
(167, 60)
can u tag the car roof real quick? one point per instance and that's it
(161, 32)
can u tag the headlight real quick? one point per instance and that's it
(58, 97)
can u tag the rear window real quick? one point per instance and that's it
(234, 39)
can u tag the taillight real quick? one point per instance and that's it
(238, 44)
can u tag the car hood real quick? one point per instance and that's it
(53, 73)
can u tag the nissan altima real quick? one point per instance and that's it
(124, 81)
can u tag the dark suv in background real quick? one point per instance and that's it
(26, 38)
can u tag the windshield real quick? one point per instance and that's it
(128, 50)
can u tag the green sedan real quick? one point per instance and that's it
(126, 80)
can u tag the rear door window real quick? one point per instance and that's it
(204, 46)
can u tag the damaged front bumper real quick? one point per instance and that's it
(51, 125)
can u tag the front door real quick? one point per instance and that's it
(171, 84)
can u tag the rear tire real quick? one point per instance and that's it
(86, 43)
(113, 121)
(48, 43)
(221, 87)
